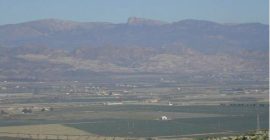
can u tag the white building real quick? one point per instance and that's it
(164, 118)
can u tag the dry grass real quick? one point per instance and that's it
(56, 129)
(50, 131)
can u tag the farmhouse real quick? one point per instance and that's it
(164, 118)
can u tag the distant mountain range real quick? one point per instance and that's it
(51, 46)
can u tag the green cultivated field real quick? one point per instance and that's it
(236, 120)
(142, 121)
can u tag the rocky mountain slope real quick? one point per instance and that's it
(47, 47)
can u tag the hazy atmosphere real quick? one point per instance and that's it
(117, 11)
(134, 70)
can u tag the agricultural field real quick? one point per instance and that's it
(143, 121)
(132, 107)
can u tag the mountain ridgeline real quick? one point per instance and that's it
(38, 49)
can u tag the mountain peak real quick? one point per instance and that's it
(144, 21)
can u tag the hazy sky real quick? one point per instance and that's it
(223, 11)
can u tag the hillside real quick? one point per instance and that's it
(36, 49)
